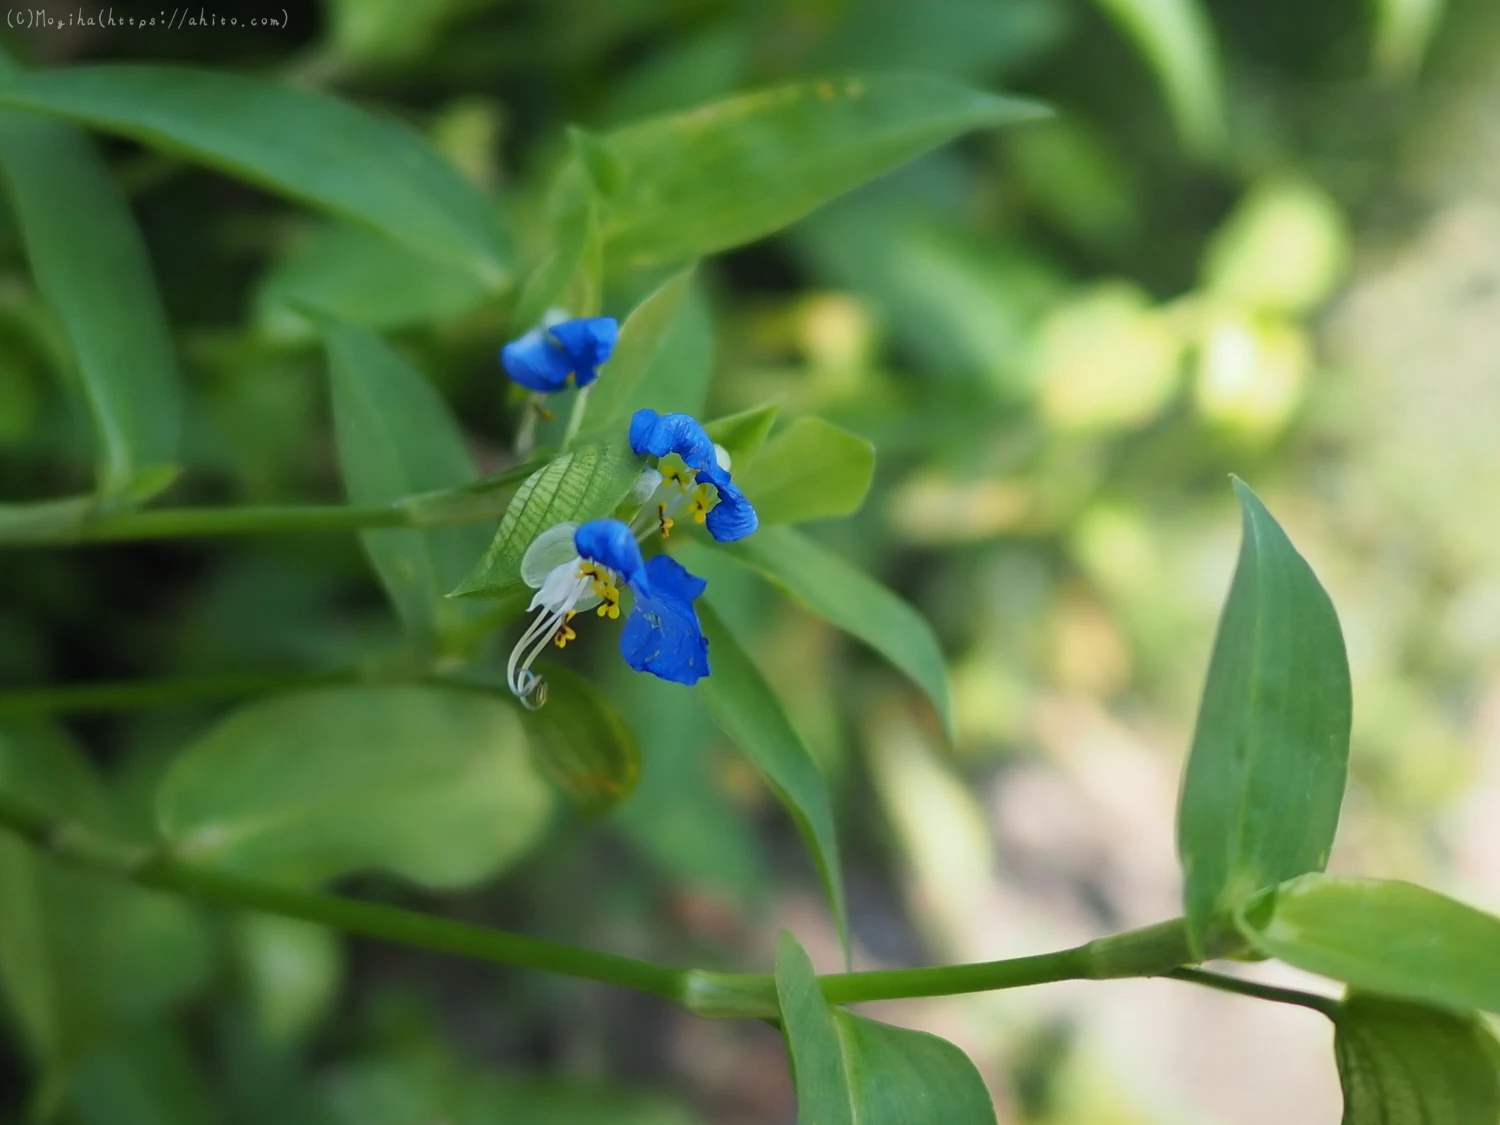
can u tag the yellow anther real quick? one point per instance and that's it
(664, 521)
(610, 605)
(700, 504)
(543, 413)
(565, 631)
(673, 471)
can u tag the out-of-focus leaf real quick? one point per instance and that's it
(572, 277)
(1402, 1062)
(78, 952)
(586, 483)
(744, 706)
(315, 148)
(744, 433)
(854, 602)
(733, 171)
(811, 470)
(91, 268)
(583, 743)
(422, 1088)
(352, 274)
(1403, 32)
(396, 437)
(1382, 936)
(645, 338)
(678, 815)
(292, 969)
(382, 32)
(45, 521)
(962, 39)
(1177, 40)
(1077, 180)
(1265, 778)
(1282, 250)
(850, 1070)
(1106, 360)
(433, 784)
(147, 1076)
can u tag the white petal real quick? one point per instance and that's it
(565, 589)
(721, 455)
(645, 486)
(548, 551)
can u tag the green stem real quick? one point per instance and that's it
(575, 417)
(130, 695)
(184, 523)
(1324, 1004)
(1152, 951)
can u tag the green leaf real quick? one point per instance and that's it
(80, 953)
(746, 709)
(728, 173)
(811, 470)
(312, 147)
(645, 338)
(148, 1076)
(292, 970)
(1260, 800)
(1380, 936)
(583, 743)
(584, 484)
(854, 602)
(397, 438)
(435, 785)
(744, 433)
(352, 274)
(92, 271)
(1177, 40)
(1405, 1063)
(572, 277)
(1403, 32)
(853, 1071)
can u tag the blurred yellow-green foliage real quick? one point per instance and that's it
(1261, 237)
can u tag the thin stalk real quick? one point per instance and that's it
(1144, 952)
(1329, 1007)
(187, 523)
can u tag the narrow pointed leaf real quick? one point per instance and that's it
(850, 1070)
(746, 709)
(645, 335)
(1265, 778)
(744, 433)
(1403, 1063)
(92, 271)
(812, 470)
(312, 147)
(433, 784)
(724, 174)
(854, 602)
(397, 438)
(572, 277)
(1381, 936)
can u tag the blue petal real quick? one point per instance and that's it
(733, 517)
(663, 635)
(657, 435)
(588, 344)
(612, 544)
(536, 363)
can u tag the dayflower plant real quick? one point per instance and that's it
(575, 568)
(560, 349)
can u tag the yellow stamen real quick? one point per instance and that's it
(664, 521)
(610, 606)
(700, 503)
(565, 632)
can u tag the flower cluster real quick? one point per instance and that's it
(574, 568)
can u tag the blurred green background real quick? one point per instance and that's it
(1260, 237)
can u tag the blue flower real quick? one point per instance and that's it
(662, 435)
(662, 635)
(544, 358)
